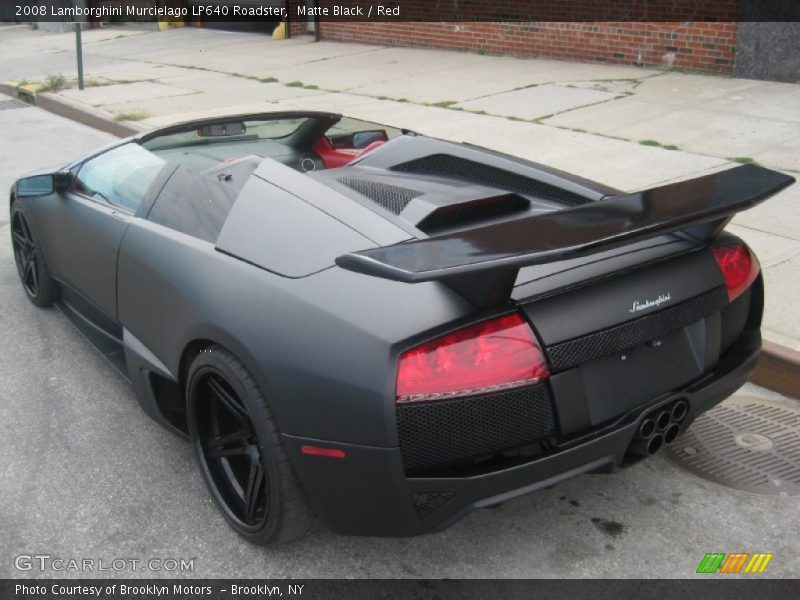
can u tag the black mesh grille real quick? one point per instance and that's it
(427, 502)
(734, 319)
(391, 197)
(573, 352)
(468, 170)
(437, 434)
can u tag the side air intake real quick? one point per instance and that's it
(446, 165)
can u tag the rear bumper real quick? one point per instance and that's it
(368, 493)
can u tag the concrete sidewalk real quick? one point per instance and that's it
(627, 127)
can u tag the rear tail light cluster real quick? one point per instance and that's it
(492, 355)
(739, 268)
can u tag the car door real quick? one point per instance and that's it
(85, 225)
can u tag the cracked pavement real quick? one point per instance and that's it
(85, 473)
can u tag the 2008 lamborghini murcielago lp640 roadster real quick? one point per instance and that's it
(385, 331)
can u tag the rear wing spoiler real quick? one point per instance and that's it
(482, 263)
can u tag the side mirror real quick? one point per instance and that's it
(38, 185)
(362, 139)
(43, 185)
(358, 140)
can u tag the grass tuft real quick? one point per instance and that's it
(53, 83)
(106, 82)
(130, 116)
(743, 160)
(657, 144)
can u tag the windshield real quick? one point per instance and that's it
(271, 129)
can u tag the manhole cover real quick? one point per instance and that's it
(745, 443)
(11, 103)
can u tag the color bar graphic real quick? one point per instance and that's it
(734, 562)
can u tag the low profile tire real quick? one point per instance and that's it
(240, 453)
(39, 286)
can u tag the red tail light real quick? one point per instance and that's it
(738, 266)
(499, 353)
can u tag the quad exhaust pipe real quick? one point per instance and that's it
(654, 443)
(659, 427)
(679, 410)
(647, 429)
(671, 433)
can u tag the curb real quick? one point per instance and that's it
(778, 366)
(778, 369)
(75, 111)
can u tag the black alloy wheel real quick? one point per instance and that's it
(241, 453)
(31, 266)
(24, 254)
(231, 453)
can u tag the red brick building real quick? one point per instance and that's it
(731, 37)
(692, 45)
(690, 34)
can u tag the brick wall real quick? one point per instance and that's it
(705, 46)
(693, 42)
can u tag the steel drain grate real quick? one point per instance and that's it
(745, 443)
(12, 103)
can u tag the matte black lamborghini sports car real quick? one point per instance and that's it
(386, 331)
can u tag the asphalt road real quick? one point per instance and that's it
(85, 474)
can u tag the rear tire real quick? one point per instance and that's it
(241, 457)
(39, 286)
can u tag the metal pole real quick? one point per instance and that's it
(317, 23)
(79, 52)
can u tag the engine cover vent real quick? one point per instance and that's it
(446, 165)
(391, 197)
(473, 212)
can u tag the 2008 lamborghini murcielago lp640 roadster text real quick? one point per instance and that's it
(386, 331)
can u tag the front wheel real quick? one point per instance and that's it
(239, 451)
(31, 265)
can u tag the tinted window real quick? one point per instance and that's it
(194, 204)
(120, 176)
